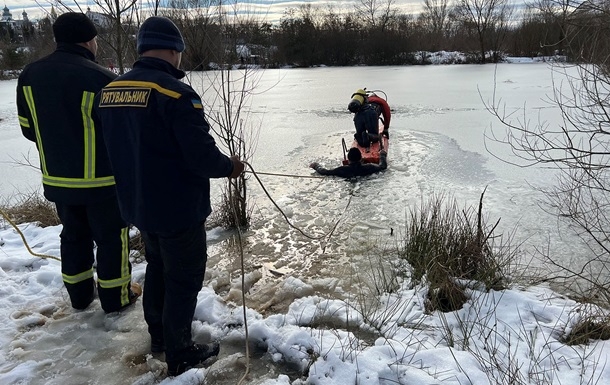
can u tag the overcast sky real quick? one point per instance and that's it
(273, 8)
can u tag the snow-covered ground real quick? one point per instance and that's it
(390, 340)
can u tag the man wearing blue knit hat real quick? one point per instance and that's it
(163, 157)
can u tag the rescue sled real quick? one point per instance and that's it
(371, 154)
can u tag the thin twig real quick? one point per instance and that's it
(43, 256)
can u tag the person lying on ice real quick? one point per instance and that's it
(355, 166)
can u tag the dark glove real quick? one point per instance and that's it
(238, 167)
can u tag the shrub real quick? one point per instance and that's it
(32, 207)
(445, 245)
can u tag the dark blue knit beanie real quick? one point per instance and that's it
(73, 27)
(159, 33)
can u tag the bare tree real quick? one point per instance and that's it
(579, 147)
(489, 19)
(556, 13)
(228, 89)
(122, 17)
(376, 13)
(435, 19)
(588, 31)
(42, 44)
(339, 32)
(116, 25)
(300, 38)
(531, 37)
(234, 88)
(200, 25)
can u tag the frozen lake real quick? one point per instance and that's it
(437, 147)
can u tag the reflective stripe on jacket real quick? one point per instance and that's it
(55, 103)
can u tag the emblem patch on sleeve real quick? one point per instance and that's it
(125, 97)
(197, 104)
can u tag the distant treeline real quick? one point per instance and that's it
(371, 33)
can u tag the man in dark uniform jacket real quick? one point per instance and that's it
(163, 158)
(54, 103)
(355, 167)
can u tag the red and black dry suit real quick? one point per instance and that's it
(54, 103)
(383, 110)
(163, 156)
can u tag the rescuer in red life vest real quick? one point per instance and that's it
(368, 109)
(383, 112)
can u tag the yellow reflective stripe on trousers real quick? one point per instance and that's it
(29, 98)
(24, 122)
(78, 277)
(125, 279)
(110, 283)
(125, 264)
(125, 251)
(89, 134)
(58, 181)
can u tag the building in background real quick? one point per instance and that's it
(15, 31)
(99, 19)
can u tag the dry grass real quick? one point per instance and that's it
(588, 330)
(230, 213)
(445, 244)
(32, 208)
(446, 296)
(592, 323)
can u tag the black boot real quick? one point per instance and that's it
(190, 357)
